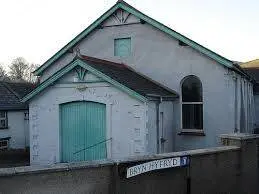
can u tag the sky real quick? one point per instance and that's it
(37, 29)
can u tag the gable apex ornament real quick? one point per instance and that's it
(77, 52)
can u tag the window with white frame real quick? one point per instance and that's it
(3, 120)
(192, 103)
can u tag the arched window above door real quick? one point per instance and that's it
(192, 103)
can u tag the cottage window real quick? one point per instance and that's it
(192, 104)
(122, 47)
(4, 144)
(3, 120)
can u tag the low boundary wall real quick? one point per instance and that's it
(231, 168)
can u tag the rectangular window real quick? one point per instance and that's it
(4, 144)
(122, 47)
(3, 120)
(192, 116)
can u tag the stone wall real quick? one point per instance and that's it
(228, 169)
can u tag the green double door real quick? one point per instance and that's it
(83, 131)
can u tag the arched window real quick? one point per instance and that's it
(192, 104)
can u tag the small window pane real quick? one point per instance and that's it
(2, 114)
(192, 116)
(2, 123)
(191, 90)
(122, 47)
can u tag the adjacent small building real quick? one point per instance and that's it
(131, 86)
(14, 115)
(252, 68)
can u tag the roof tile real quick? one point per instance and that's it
(11, 94)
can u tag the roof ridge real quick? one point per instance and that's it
(164, 28)
(105, 61)
(251, 61)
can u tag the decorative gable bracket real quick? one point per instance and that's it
(81, 72)
(121, 16)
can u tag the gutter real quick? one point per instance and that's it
(240, 70)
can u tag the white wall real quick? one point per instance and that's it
(126, 120)
(160, 57)
(17, 129)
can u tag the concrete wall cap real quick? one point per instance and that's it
(239, 136)
(53, 168)
(180, 154)
(92, 164)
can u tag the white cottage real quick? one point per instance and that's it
(128, 85)
(14, 115)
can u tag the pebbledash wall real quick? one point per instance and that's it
(229, 169)
(18, 130)
(161, 58)
(129, 128)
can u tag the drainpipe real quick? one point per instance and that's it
(159, 139)
(158, 146)
(235, 104)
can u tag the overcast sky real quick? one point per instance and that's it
(36, 29)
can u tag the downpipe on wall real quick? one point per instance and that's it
(159, 122)
(160, 140)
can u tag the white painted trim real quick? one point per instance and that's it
(109, 130)
(192, 130)
(192, 102)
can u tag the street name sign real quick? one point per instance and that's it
(156, 165)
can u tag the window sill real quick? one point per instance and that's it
(4, 128)
(192, 132)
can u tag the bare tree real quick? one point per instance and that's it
(30, 76)
(18, 69)
(3, 74)
(21, 70)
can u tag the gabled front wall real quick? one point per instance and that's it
(126, 118)
(160, 57)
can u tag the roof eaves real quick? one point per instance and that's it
(222, 60)
(241, 71)
(134, 11)
(85, 32)
(50, 80)
(83, 64)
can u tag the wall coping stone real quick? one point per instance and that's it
(195, 152)
(239, 136)
(102, 163)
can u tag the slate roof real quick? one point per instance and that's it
(11, 94)
(128, 77)
(116, 72)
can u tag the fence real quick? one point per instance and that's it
(231, 168)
